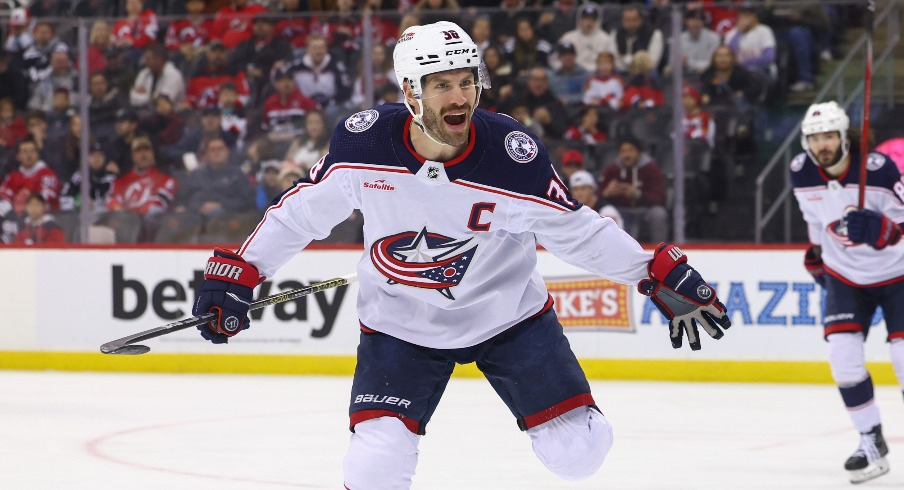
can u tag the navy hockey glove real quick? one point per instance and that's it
(226, 291)
(813, 263)
(867, 226)
(683, 297)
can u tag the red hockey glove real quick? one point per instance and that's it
(813, 263)
(683, 297)
(226, 291)
(867, 226)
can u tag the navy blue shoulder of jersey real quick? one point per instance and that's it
(364, 137)
(881, 171)
(805, 172)
(367, 136)
(515, 159)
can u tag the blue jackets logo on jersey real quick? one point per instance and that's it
(423, 260)
(520, 147)
(361, 121)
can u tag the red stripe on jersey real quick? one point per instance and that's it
(294, 191)
(896, 335)
(375, 168)
(406, 137)
(554, 411)
(511, 194)
(365, 329)
(365, 415)
(843, 279)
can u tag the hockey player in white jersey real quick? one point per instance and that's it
(856, 255)
(455, 201)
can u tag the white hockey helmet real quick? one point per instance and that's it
(433, 48)
(822, 118)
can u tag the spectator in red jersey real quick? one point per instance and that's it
(634, 184)
(137, 31)
(39, 226)
(257, 56)
(343, 31)
(191, 33)
(12, 125)
(232, 24)
(383, 75)
(284, 111)
(322, 78)
(212, 70)
(587, 131)
(159, 76)
(604, 87)
(145, 191)
(32, 176)
(697, 123)
(99, 43)
(295, 28)
(642, 89)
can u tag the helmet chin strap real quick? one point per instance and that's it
(418, 119)
(418, 116)
(845, 150)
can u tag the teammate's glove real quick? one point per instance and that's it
(867, 226)
(683, 297)
(813, 263)
(226, 291)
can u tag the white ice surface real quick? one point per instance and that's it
(133, 431)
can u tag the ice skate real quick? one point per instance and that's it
(868, 461)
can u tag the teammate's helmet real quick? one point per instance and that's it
(433, 48)
(822, 118)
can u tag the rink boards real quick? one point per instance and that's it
(59, 305)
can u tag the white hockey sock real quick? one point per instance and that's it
(382, 455)
(574, 444)
(848, 363)
(896, 347)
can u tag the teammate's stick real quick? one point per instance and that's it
(127, 345)
(867, 95)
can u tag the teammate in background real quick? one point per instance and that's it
(454, 201)
(855, 255)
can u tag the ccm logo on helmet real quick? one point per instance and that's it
(457, 51)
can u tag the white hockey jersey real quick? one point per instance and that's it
(823, 201)
(450, 248)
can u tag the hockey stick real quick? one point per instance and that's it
(128, 346)
(867, 95)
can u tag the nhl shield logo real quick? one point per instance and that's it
(521, 147)
(361, 121)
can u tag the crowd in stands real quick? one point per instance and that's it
(201, 112)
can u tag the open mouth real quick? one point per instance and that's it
(456, 121)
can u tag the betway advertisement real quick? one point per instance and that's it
(77, 299)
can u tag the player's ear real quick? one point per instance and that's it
(409, 96)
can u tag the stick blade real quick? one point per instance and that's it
(128, 350)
